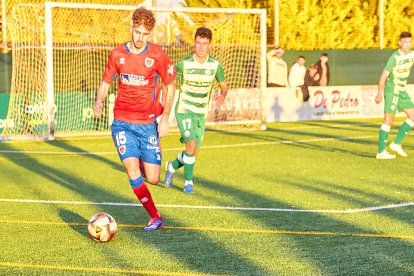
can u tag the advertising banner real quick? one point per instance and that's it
(242, 104)
(4, 107)
(328, 102)
(74, 111)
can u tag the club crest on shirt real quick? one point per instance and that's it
(122, 149)
(149, 62)
(208, 72)
(122, 60)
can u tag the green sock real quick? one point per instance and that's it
(383, 136)
(178, 162)
(189, 161)
(404, 129)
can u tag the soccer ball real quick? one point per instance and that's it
(102, 227)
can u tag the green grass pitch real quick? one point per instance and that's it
(305, 198)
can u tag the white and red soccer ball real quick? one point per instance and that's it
(102, 227)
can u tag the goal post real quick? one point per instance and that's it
(60, 51)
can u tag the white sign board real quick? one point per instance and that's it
(328, 102)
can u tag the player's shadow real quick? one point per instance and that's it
(316, 146)
(200, 253)
(305, 112)
(90, 191)
(335, 150)
(346, 125)
(70, 148)
(65, 179)
(281, 135)
(76, 222)
(374, 251)
(277, 110)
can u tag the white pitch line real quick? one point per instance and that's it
(347, 211)
(204, 147)
(58, 152)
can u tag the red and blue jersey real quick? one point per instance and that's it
(138, 78)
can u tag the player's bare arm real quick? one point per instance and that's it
(381, 85)
(100, 98)
(163, 126)
(223, 93)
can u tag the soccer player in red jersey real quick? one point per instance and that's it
(135, 131)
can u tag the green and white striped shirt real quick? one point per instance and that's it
(399, 66)
(197, 83)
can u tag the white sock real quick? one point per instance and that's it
(170, 168)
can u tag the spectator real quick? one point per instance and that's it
(312, 78)
(297, 72)
(323, 69)
(277, 69)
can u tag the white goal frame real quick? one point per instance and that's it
(49, 44)
(49, 49)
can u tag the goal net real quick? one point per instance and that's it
(60, 51)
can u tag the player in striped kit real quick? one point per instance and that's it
(197, 74)
(392, 86)
(135, 132)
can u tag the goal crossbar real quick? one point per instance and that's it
(51, 48)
